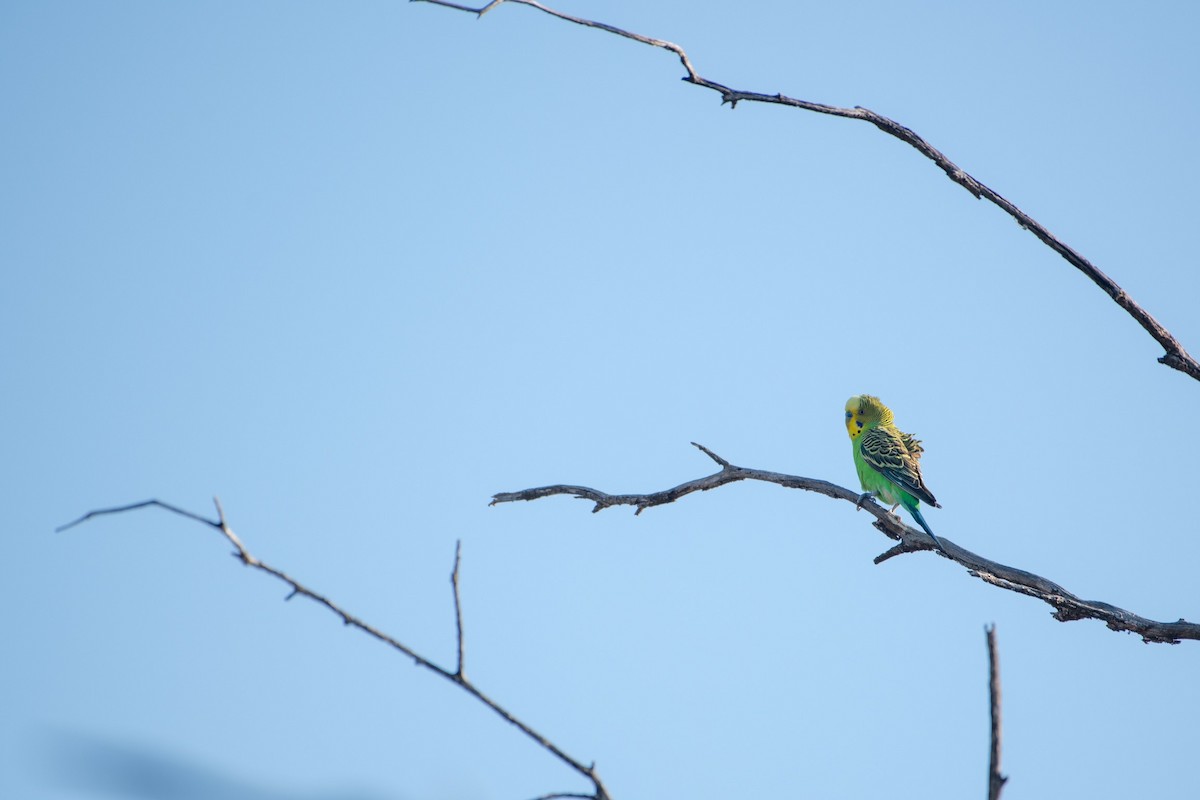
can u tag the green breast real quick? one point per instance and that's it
(874, 481)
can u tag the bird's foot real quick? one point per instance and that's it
(862, 498)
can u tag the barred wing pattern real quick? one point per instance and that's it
(888, 452)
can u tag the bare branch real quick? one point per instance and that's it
(995, 779)
(1175, 356)
(489, 7)
(458, 608)
(457, 677)
(99, 512)
(728, 474)
(1067, 606)
(478, 12)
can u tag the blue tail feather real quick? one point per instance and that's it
(916, 513)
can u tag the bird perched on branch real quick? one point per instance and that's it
(887, 459)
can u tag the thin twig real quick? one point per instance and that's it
(458, 608)
(1067, 606)
(133, 507)
(995, 779)
(297, 588)
(1175, 356)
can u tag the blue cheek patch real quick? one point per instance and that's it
(859, 424)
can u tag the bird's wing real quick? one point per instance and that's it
(912, 444)
(885, 450)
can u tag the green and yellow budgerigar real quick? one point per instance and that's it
(887, 460)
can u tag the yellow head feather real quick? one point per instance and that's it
(864, 412)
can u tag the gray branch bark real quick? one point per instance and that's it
(456, 677)
(1175, 355)
(996, 780)
(1067, 606)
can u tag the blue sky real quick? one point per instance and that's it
(356, 268)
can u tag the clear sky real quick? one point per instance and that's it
(356, 267)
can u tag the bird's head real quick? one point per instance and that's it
(864, 412)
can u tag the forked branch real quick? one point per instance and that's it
(1067, 606)
(1175, 356)
(456, 677)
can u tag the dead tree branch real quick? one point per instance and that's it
(456, 677)
(1067, 606)
(458, 608)
(1175, 356)
(995, 779)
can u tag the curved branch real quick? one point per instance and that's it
(456, 677)
(1067, 606)
(1175, 356)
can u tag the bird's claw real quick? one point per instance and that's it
(862, 498)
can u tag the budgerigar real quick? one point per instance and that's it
(887, 460)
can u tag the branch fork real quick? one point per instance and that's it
(1067, 607)
(457, 676)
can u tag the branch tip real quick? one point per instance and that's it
(898, 550)
(711, 455)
